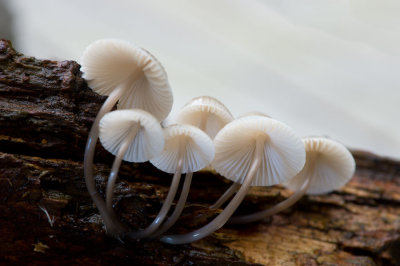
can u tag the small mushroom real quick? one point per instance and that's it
(329, 165)
(210, 115)
(235, 186)
(132, 135)
(127, 74)
(133, 77)
(187, 149)
(206, 113)
(252, 150)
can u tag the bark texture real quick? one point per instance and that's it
(47, 217)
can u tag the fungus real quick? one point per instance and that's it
(235, 186)
(206, 113)
(252, 150)
(187, 149)
(132, 135)
(210, 115)
(133, 77)
(329, 165)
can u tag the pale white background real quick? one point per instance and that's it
(324, 67)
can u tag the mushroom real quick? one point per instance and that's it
(133, 77)
(132, 135)
(252, 150)
(210, 115)
(235, 186)
(329, 165)
(187, 149)
(206, 113)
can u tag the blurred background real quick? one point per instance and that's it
(328, 68)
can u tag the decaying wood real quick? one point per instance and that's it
(46, 215)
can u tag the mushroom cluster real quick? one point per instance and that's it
(252, 150)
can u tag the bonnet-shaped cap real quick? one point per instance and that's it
(115, 127)
(283, 154)
(188, 143)
(205, 107)
(329, 164)
(109, 63)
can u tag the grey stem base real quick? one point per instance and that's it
(178, 208)
(164, 209)
(113, 226)
(273, 210)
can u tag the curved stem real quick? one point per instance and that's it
(166, 206)
(178, 208)
(275, 209)
(117, 163)
(221, 219)
(110, 220)
(228, 193)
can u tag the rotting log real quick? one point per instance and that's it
(46, 215)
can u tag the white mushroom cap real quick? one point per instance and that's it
(197, 149)
(217, 114)
(149, 140)
(109, 63)
(329, 163)
(235, 147)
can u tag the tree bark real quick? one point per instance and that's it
(46, 215)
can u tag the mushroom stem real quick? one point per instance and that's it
(167, 203)
(117, 163)
(178, 208)
(223, 217)
(110, 221)
(275, 209)
(228, 193)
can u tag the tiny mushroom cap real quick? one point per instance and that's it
(329, 164)
(189, 143)
(109, 63)
(283, 153)
(117, 125)
(206, 108)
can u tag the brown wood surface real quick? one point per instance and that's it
(46, 110)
